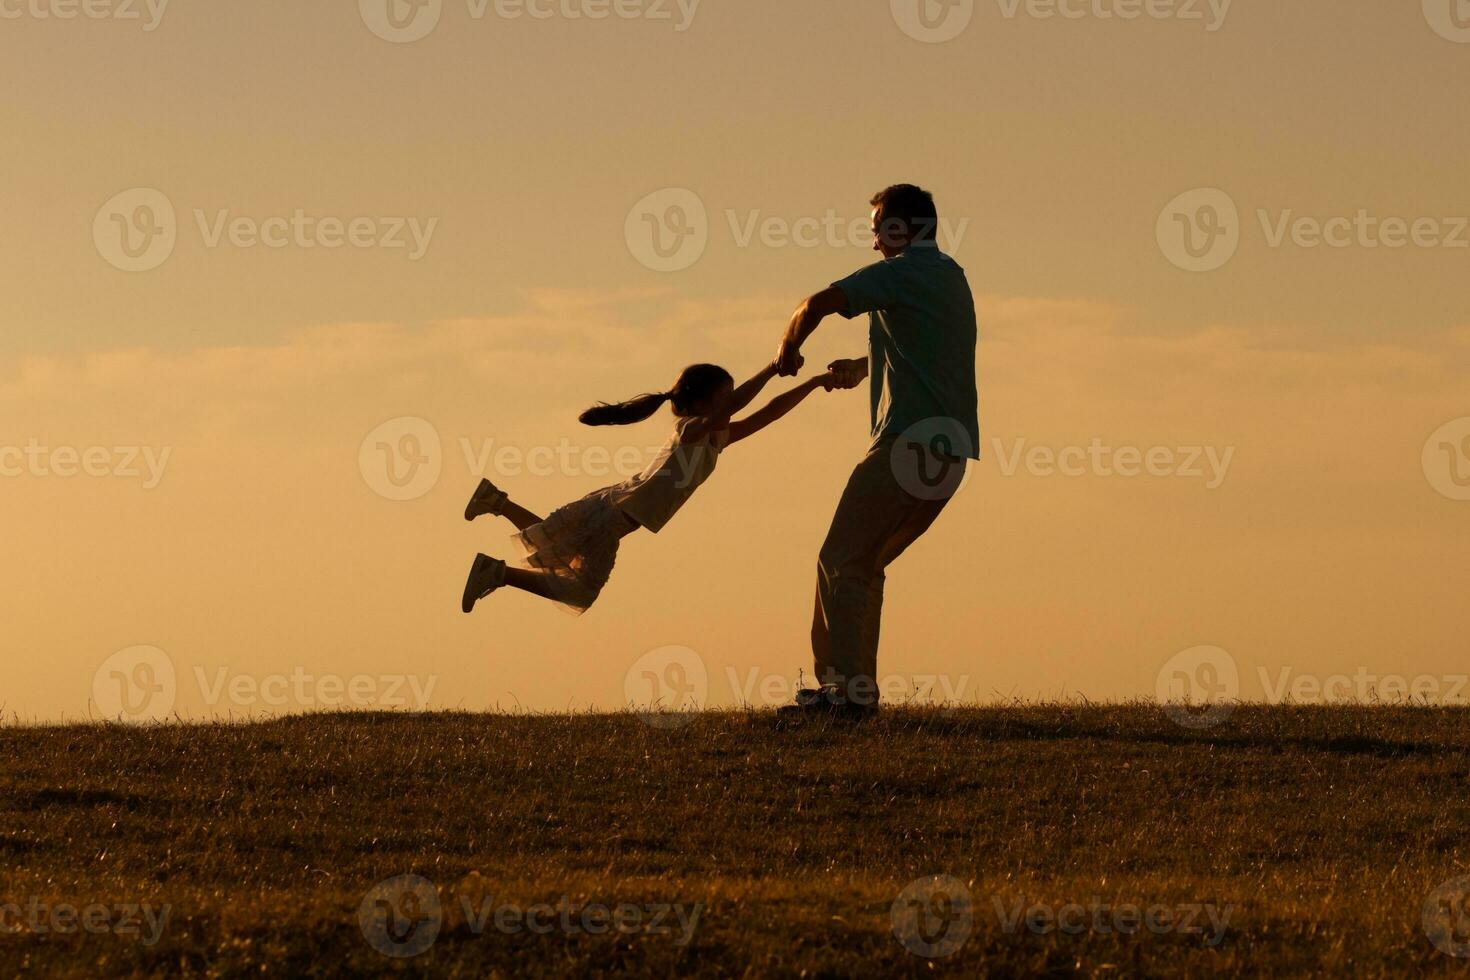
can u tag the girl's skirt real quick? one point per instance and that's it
(576, 546)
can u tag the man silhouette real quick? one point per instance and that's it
(923, 404)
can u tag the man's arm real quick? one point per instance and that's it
(807, 318)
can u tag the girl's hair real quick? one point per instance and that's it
(697, 383)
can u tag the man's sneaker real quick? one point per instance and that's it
(487, 499)
(486, 575)
(825, 702)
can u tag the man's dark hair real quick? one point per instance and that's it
(907, 211)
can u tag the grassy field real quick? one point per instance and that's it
(1283, 840)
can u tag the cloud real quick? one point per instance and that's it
(240, 553)
(1060, 368)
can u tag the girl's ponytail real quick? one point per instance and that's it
(624, 413)
(697, 383)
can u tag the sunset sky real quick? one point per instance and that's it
(527, 152)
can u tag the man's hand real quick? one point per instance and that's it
(789, 361)
(838, 381)
(849, 374)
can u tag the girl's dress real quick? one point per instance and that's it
(577, 545)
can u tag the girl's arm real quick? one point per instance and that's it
(778, 407)
(739, 399)
(746, 393)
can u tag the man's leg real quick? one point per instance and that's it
(873, 509)
(921, 517)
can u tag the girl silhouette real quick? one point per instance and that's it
(571, 553)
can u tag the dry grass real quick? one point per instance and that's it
(1322, 830)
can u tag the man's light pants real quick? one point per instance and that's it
(892, 498)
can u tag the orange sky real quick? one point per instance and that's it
(494, 284)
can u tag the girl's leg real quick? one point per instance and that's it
(536, 583)
(489, 574)
(490, 499)
(518, 515)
